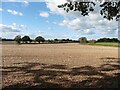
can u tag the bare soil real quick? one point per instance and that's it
(60, 65)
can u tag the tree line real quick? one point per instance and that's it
(27, 39)
(84, 40)
(40, 39)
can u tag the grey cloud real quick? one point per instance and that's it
(5, 28)
(11, 30)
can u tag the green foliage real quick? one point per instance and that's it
(18, 39)
(26, 39)
(62, 41)
(83, 40)
(108, 40)
(39, 39)
(83, 7)
(55, 39)
(109, 10)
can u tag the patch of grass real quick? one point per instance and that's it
(114, 44)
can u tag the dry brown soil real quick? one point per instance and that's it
(59, 65)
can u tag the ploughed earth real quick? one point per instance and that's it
(60, 66)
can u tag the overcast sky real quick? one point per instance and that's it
(44, 18)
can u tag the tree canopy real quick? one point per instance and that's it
(109, 10)
(39, 39)
(108, 40)
(18, 39)
(83, 40)
(26, 39)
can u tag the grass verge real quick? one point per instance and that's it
(114, 44)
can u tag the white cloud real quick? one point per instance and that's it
(10, 31)
(88, 31)
(12, 12)
(44, 14)
(20, 14)
(12, 28)
(15, 12)
(9, 28)
(52, 5)
(11, 0)
(1, 9)
(71, 24)
(56, 2)
(26, 3)
(94, 23)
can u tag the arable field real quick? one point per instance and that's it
(60, 65)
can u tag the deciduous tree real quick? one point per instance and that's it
(26, 39)
(109, 10)
(39, 39)
(18, 39)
